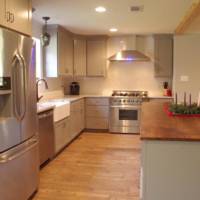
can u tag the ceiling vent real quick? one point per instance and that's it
(137, 8)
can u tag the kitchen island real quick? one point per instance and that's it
(170, 167)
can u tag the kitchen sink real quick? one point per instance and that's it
(61, 108)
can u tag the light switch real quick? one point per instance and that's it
(184, 78)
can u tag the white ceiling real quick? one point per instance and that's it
(159, 16)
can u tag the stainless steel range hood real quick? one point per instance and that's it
(128, 50)
(129, 55)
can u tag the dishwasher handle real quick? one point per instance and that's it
(45, 114)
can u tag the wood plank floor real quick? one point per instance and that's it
(96, 166)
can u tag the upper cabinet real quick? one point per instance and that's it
(80, 57)
(163, 55)
(58, 55)
(74, 55)
(96, 56)
(2, 12)
(16, 15)
(65, 52)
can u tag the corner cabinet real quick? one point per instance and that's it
(58, 55)
(16, 15)
(80, 57)
(96, 56)
(163, 55)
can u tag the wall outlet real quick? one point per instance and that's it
(184, 78)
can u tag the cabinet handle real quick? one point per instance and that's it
(8, 16)
(12, 17)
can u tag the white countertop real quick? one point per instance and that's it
(72, 98)
(41, 109)
(77, 97)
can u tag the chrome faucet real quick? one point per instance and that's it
(37, 83)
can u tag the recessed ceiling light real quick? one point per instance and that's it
(113, 30)
(100, 9)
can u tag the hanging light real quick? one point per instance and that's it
(45, 37)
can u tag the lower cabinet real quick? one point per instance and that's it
(97, 113)
(62, 134)
(96, 116)
(67, 129)
(77, 117)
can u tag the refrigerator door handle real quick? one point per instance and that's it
(15, 153)
(23, 65)
(17, 104)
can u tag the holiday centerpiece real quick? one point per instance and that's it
(185, 109)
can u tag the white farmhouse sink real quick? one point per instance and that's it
(61, 108)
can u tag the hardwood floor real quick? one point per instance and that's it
(96, 166)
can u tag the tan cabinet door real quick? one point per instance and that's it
(80, 57)
(96, 57)
(65, 52)
(19, 14)
(2, 12)
(163, 55)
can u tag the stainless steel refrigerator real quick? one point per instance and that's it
(18, 117)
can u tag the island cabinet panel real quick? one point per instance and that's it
(96, 57)
(170, 155)
(16, 15)
(170, 170)
(97, 113)
(77, 117)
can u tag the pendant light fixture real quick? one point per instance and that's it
(45, 37)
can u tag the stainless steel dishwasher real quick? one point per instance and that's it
(46, 136)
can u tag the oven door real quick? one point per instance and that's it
(125, 119)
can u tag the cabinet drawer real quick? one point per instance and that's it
(97, 101)
(97, 111)
(96, 123)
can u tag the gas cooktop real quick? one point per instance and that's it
(125, 93)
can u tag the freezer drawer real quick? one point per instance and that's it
(19, 171)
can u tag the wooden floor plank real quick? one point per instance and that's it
(96, 166)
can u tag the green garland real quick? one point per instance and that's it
(184, 109)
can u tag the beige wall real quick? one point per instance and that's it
(187, 64)
(125, 75)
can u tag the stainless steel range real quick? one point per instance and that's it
(125, 111)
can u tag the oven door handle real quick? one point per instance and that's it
(127, 107)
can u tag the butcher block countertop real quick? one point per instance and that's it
(157, 125)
